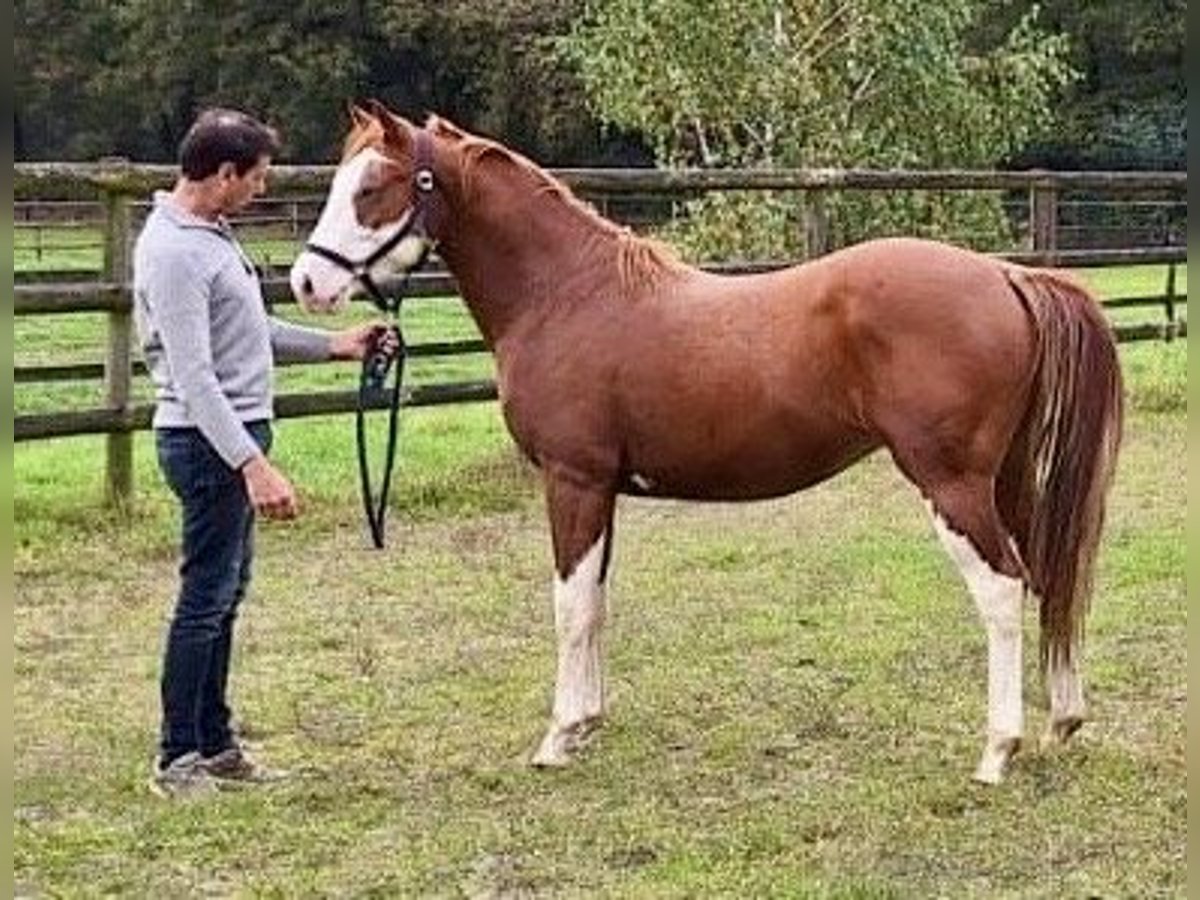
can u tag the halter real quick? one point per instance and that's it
(378, 361)
(413, 224)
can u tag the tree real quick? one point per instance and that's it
(294, 64)
(57, 47)
(820, 83)
(487, 65)
(1128, 109)
(128, 76)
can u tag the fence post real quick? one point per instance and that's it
(1169, 303)
(1043, 201)
(118, 363)
(814, 217)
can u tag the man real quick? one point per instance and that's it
(209, 345)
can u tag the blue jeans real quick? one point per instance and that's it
(218, 548)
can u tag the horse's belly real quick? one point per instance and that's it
(752, 466)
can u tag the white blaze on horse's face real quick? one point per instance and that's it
(319, 284)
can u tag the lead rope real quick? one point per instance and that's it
(372, 381)
(378, 360)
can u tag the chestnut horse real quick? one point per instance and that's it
(621, 370)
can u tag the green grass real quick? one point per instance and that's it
(797, 687)
(81, 249)
(1133, 281)
(53, 249)
(1136, 281)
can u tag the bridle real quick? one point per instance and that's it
(414, 225)
(378, 360)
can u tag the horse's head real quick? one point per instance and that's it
(373, 221)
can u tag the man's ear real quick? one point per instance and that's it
(227, 170)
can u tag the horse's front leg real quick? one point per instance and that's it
(581, 514)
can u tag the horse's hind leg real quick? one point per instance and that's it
(1067, 707)
(581, 526)
(1064, 684)
(965, 515)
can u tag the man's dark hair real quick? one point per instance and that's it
(225, 135)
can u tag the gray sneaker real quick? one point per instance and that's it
(235, 768)
(182, 777)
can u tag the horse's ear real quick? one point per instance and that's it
(375, 109)
(445, 127)
(358, 116)
(395, 128)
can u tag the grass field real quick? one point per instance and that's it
(797, 687)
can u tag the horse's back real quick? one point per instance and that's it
(893, 341)
(877, 312)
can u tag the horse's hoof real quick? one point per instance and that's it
(1058, 732)
(560, 745)
(552, 754)
(994, 760)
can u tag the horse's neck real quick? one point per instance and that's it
(514, 252)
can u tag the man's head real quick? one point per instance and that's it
(228, 153)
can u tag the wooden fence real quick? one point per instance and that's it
(118, 185)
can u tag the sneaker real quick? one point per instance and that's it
(234, 768)
(182, 777)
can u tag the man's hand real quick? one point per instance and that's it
(270, 493)
(357, 342)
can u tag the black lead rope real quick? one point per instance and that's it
(378, 360)
(371, 383)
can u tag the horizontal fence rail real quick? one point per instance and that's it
(92, 371)
(103, 197)
(73, 297)
(75, 180)
(137, 417)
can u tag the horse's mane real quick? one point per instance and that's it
(640, 260)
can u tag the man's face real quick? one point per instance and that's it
(238, 190)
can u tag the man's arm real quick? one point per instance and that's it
(297, 342)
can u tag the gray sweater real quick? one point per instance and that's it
(206, 336)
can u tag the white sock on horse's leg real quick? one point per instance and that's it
(998, 598)
(1067, 707)
(579, 613)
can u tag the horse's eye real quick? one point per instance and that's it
(367, 191)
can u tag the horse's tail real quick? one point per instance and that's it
(1061, 462)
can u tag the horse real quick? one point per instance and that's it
(621, 370)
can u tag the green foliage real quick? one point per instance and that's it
(128, 77)
(487, 66)
(760, 82)
(730, 226)
(820, 83)
(95, 77)
(1128, 108)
